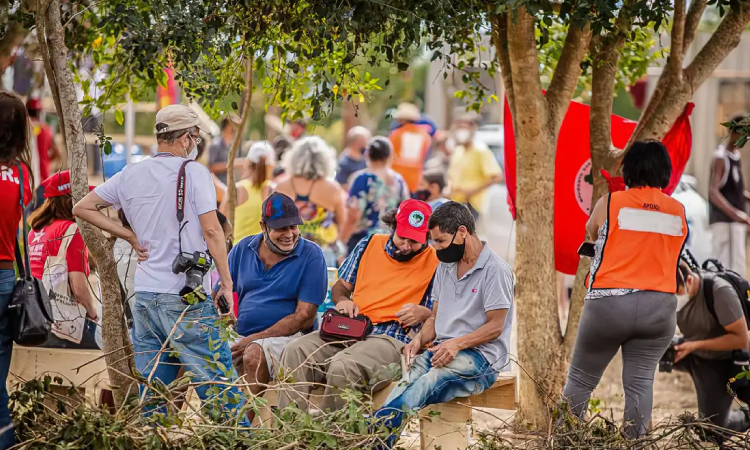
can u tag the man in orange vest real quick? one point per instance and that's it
(387, 278)
(411, 142)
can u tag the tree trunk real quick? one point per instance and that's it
(117, 347)
(231, 187)
(539, 335)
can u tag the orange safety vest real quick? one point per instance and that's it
(646, 231)
(411, 142)
(384, 285)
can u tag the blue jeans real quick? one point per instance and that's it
(195, 344)
(468, 374)
(7, 281)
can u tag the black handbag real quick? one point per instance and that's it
(30, 310)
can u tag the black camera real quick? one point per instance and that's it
(666, 363)
(195, 266)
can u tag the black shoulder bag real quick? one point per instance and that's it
(31, 314)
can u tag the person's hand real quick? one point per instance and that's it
(411, 350)
(347, 307)
(238, 348)
(685, 349)
(140, 250)
(411, 314)
(443, 354)
(226, 291)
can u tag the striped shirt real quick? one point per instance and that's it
(348, 273)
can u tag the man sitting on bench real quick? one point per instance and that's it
(387, 278)
(470, 330)
(280, 280)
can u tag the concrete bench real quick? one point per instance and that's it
(442, 426)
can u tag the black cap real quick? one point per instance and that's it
(280, 211)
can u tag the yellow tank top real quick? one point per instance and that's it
(247, 215)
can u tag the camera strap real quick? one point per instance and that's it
(181, 201)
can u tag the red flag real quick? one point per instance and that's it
(573, 179)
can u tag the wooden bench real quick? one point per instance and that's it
(446, 430)
(35, 362)
(442, 426)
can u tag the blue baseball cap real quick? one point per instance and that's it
(280, 211)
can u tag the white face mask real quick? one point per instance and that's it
(462, 135)
(682, 300)
(194, 152)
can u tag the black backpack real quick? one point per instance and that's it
(739, 283)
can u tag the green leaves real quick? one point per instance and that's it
(119, 116)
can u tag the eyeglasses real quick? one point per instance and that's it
(198, 139)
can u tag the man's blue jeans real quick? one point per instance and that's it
(195, 344)
(7, 281)
(468, 374)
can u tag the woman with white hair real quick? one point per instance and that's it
(310, 164)
(251, 190)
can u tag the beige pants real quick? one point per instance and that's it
(729, 245)
(312, 363)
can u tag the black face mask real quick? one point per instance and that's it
(452, 253)
(404, 258)
(422, 194)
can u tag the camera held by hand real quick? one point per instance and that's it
(666, 363)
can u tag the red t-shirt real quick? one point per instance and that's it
(10, 208)
(46, 241)
(43, 135)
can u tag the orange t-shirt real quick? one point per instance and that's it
(411, 142)
(384, 285)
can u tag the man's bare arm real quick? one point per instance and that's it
(341, 291)
(301, 319)
(717, 199)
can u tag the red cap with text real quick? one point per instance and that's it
(58, 185)
(411, 220)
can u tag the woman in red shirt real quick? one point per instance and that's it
(52, 227)
(14, 157)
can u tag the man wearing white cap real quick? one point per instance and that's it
(171, 207)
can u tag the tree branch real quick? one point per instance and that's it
(676, 49)
(564, 80)
(231, 188)
(500, 40)
(524, 65)
(726, 37)
(694, 15)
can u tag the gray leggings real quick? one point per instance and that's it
(643, 325)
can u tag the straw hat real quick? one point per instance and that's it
(407, 111)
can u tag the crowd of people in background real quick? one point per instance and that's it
(395, 217)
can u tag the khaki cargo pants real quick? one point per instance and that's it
(312, 363)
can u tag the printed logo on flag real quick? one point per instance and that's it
(584, 187)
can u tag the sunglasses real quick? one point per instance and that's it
(197, 138)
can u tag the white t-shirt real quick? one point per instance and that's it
(147, 194)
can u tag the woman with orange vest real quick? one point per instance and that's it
(639, 234)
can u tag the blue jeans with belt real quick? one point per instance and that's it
(468, 374)
(196, 344)
(7, 281)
